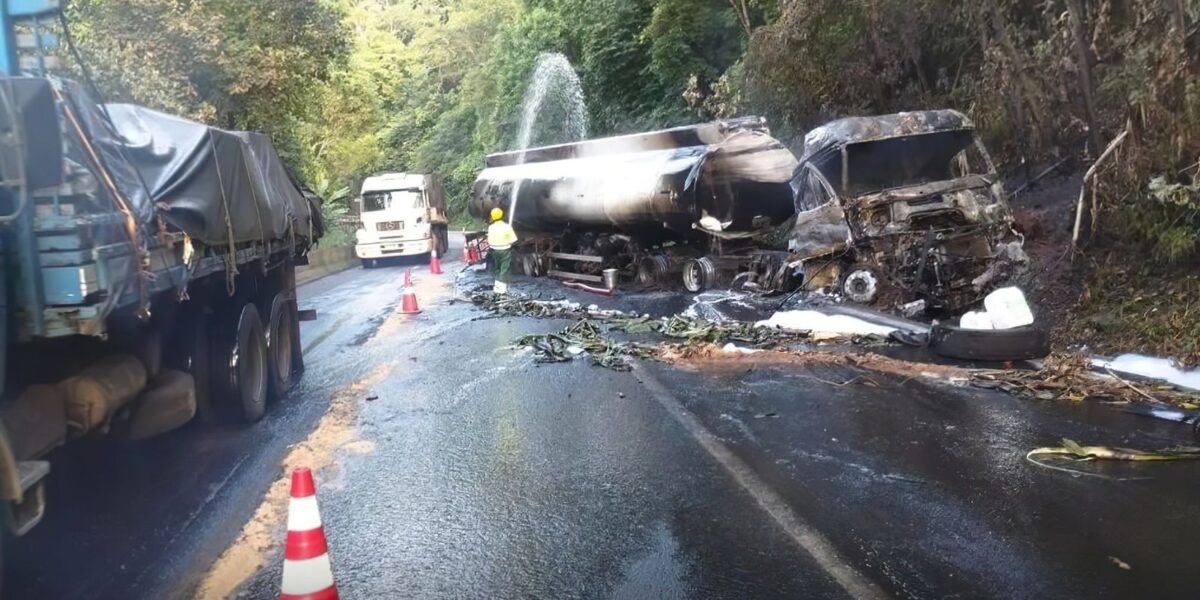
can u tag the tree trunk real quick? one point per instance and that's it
(1016, 96)
(1083, 55)
(742, 10)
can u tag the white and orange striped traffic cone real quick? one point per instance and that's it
(307, 572)
(435, 264)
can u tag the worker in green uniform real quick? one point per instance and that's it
(501, 238)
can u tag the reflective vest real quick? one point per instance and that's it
(501, 235)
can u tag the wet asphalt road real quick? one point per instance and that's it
(492, 476)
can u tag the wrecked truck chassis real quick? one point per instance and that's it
(932, 240)
(938, 241)
(939, 259)
(722, 263)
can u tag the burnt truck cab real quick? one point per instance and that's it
(902, 207)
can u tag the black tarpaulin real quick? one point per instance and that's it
(217, 186)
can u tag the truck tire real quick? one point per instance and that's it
(280, 346)
(188, 350)
(239, 367)
(699, 274)
(1021, 343)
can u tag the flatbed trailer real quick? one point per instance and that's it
(148, 277)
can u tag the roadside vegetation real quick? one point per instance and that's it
(352, 87)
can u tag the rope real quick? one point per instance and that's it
(262, 233)
(231, 269)
(122, 203)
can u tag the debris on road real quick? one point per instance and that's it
(1154, 368)
(584, 337)
(1021, 343)
(506, 305)
(819, 322)
(1071, 450)
(605, 291)
(714, 357)
(1061, 376)
(1069, 377)
(701, 331)
(1005, 308)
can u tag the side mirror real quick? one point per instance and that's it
(358, 204)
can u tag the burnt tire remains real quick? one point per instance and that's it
(1021, 343)
(653, 270)
(533, 265)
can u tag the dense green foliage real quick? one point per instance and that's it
(247, 65)
(351, 87)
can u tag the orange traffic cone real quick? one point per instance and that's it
(408, 277)
(435, 265)
(408, 302)
(307, 572)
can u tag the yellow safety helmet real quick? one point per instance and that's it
(497, 214)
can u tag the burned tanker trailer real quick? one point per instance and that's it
(701, 205)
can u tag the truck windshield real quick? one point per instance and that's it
(905, 161)
(376, 201)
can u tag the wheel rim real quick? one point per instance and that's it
(861, 286)
(651, 270)
(695, 275)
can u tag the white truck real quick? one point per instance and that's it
(400, 214)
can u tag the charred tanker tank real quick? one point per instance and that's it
(696, 201)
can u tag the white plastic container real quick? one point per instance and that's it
(1007, 308)
(975, 319)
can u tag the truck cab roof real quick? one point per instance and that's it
(389, 182)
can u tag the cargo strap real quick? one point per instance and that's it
(231, 269)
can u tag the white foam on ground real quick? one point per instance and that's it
(819, 322)
(704, 305)
(1155, 368)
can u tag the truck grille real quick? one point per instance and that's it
(389, 226)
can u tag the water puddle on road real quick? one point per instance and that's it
(336, 435)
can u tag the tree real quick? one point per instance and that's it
(230, 63)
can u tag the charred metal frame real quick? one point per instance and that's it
(904, 257)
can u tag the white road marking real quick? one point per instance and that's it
(804, 535)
